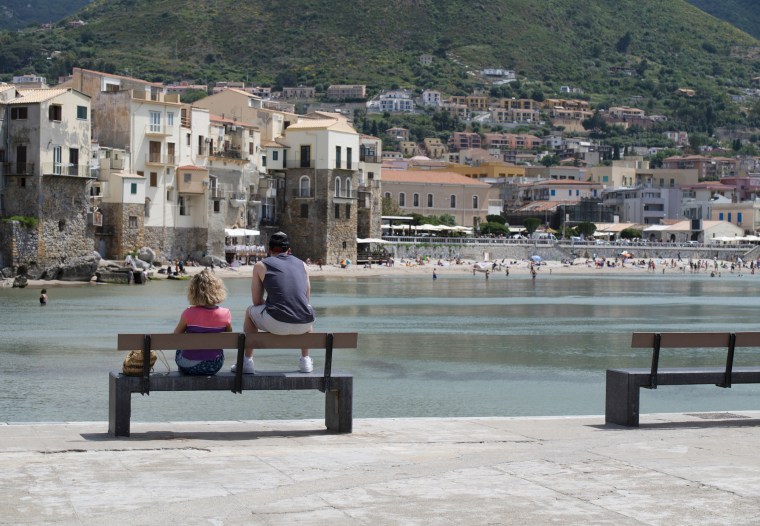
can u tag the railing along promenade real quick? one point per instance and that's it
(636, 246)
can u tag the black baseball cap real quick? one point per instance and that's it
(279, 240)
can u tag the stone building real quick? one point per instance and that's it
(45, 176)
(319, 188)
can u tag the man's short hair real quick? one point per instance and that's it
(279, 240)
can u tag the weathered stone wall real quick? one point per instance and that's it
(60, 204)
(18, 245)
(176, 243)
(320, 235)
(216, 224)
(65, 233)
(22, 196)
(129, 238)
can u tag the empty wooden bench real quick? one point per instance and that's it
(622, 386)
(338, 387)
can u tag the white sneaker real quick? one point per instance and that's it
(305, 364)
(247, 366)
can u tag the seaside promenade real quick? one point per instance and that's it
(699, 468)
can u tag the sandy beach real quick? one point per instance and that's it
(517, 268)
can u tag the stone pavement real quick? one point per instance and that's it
(675, 469)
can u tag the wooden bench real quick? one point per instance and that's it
(338, 387)
(622, 386)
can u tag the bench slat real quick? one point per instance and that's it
(681, 340)
(229, 340)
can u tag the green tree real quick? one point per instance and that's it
(586, 229)
(390, 208)
(550, 160)
(493, 218)
(531, 224)
(494, 228)
(630, 233)
(624, 43)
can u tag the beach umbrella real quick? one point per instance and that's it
(535, 259)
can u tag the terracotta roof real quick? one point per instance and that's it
(35, 96)
(429, 177)
(322, 124)
(157, 84)
(225, 120)
(272, 144)
(563, 182)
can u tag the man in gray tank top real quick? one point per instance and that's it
(286, 309)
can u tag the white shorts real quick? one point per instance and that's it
(264, 322)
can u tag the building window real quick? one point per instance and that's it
(349, 153)
(275, 155)
(348, 187)
(430, 201)
(337, 156)
(187, 177)
(306, 156)
(182, 207)
(348, 211)
(552, 192)
(188, 138)
(739, 217)
(720, 216)
(337, 211)
(153, 179)
(170, 118)
(452, 201)
(304, 186)
(304, 211)
(387, 195)
(82, 112)
(19, 114)
(263, 160)
(73, 161)
(475, 202)
(729, 217)
(217, 206)
(337, 187)
(168, 195)
(132, 221)
(402, 199)
(133, 188)
(55, 112)
(250, 148)
(154, 118)
(415, 200)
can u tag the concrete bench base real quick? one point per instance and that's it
(623, 385)
(338, 394)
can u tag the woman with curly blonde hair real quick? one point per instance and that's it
(204, 293)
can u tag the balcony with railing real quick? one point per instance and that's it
(66, 169)
(366, 158)
(157, 158)
(16, 168)
(229, 153)
(160, 130)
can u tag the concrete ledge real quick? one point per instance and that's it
(675, 469)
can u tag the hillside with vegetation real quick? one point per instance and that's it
(17, 14)
(612, 52)
(744, 14)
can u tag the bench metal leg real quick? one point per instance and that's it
(622, 399)
(338, 406)
(119, 406)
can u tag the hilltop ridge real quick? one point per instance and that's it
(331, 41)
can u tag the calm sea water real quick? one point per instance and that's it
(457, 346)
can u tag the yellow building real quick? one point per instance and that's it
(488, 170)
